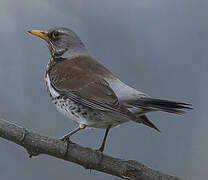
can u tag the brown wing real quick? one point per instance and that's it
(83, 80)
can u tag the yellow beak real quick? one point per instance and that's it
(39, 33)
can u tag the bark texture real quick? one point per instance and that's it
(36, 144)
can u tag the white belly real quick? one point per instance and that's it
(86, 116)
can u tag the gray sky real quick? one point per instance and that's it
(159, 47)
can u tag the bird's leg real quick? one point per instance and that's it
(67, 136)
(101, 149)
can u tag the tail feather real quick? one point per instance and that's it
(162, 105)
(147, 122)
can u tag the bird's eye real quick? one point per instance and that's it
(55, 34)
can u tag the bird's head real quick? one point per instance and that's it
(62, 42)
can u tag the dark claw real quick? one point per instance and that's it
(101, 149)
(67, 140)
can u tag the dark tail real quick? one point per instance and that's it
(161, 105)
(147, 122)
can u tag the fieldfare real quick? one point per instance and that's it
(88, 93)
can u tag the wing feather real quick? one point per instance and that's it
(80, 83)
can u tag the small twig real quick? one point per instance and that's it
(86, 157)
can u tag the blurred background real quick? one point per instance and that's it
(159, 47)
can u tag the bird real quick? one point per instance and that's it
(88, 93)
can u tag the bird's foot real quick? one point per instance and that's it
(101, 149)
(66, 139)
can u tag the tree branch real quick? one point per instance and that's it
(36, 144)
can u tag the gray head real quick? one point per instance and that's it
(62, 42)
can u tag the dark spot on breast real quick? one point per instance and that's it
(95, 114)
(73, 108)
(84, 113)
(73, 113)
(78, 110)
